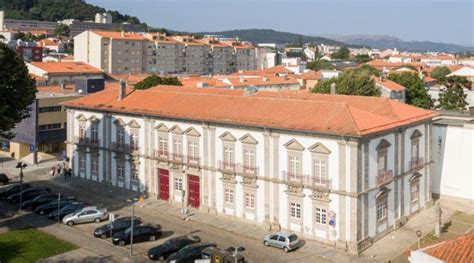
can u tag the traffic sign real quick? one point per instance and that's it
(33, 148)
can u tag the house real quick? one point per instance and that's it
(358, 172)
(467, 72)
(399, 58)
(64, 72)
(51, 45)
(390, 89)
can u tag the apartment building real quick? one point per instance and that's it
(165, 55)
(223, 59)
(197, 55)
(113, 52)
(55, 73)
(245, 56)
(358, 172)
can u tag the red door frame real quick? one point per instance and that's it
(194, 191)
(164, 184)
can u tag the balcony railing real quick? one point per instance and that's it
(251, 170)
(228, 167)
(125, 148)
(384, 176)
(417, 164)
(86, 141)
(193, 161)
(307, 180)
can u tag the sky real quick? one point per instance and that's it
(448, 21)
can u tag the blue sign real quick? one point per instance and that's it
(4, 146)
(33, 148)
(332, 222)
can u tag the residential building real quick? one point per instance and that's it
(54, 45)
(390, 89)
(165, 55)
(56, 73)
(30, 53)
(348, 179)
(30, 25)
(223, 60)
(197, 55)
(467, 72)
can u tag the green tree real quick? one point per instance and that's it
(17, 90)
(452, 98)
(362, 58)
(342, 53)
(320, 64)
(154, 80)
(351, 82)
(416, 92)
(61, 30)
(370, 69)
(440, 72)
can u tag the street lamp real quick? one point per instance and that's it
(132, 201)
(21, 166)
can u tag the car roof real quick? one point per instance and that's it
(89, 208)
(282, 233)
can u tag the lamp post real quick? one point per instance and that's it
(21, 166)
(132, 201)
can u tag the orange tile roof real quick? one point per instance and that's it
(119, 36)
(57, 89)
(312, 75)
(261, 81)
(48, 42)
(67, 67)
(391, 85)
(329, 114)
(458, 250)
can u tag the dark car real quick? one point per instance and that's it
(13, 189)
(118, 225)
(4, 179)
(39, 200)
(189, 253)
(171, 246)
(54, 205)
(140, 233)
(69, 209)
(27, 194)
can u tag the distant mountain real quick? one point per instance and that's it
(272, 36)
(384, 42)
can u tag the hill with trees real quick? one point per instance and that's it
(55, 10)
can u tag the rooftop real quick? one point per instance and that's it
(458, 250)
(67, 67)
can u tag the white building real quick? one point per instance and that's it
(261, 157)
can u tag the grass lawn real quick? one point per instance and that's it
(30, 245)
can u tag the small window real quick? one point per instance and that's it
(382, 210)
(321, 216)
(295, 210)
(282, 239)
(274, 237)
(229, 196)
(178, 184)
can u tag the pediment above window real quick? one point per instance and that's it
(119, 122)
(226, 136)
(319, 148)
(414, 177)
(192, 132)
(81, 117)
(162, 128)
(133, 124)
(294, 145)
(176, 130)
(384, 144)
(93, 118)
(248, 139)
(382, 193)
(416, 134)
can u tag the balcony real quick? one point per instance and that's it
(85, 141)
(248, 170)
(227, 167)
(417, 164)
(307, 180)
(161, 155)
(193, 161)
(384, 176)
(125, 148)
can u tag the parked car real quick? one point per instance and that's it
(27, 194)
(69, 209)
(13, 189)
(54, 205)
(116, 226)
(4, 180)
(86, 215)
(189, 253)
(162, 252)
(39, 200)
(141, 233)
(283, 240)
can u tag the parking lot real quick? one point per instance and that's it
(114, 200)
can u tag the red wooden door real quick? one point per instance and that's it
(164, 176)
(194, 191)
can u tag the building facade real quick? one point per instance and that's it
(329, 183)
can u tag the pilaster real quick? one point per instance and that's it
(275, 200)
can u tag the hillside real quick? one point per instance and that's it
(272, 36)
(384, 42)
(55, 10)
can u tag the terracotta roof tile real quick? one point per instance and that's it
(391, 85)
(67, 67)
(458, 250)
(118, 35)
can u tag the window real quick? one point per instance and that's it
(249, 160)
(94, 165)
(134, 141)
(46, 127)
(229, 196)
(295, 210)
(382, 209)
(228, 156)
(321, 216)
(82, 162)
(120, 137)
(177, 148)
(49, 109)
(120, 171)
(320, 168)
(163, 146)
(94, 134)
(178, 184)
(294, 166)
(382, 163)
(193, 151)
(250, 200)
(134, 171)
(282, 239)
(415, 151)
(414, 191)
(82, 131)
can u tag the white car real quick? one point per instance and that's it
(86, 215)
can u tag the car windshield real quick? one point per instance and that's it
(293, 237)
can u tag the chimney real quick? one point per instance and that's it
(123, 33)
(333, 88)
(122, 89)
(242, 79)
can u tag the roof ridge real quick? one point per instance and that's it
(353, 120)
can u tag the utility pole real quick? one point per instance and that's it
(21, 166)
(133, 200)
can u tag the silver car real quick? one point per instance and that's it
(284, 240)
(86, 215)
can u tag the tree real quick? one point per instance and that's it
(17, 91)
(370, 69)
(320, 64)
(154, 80)
(452, 98)
(351, 82)
(440, 72)
(342, 53)
(362, 58)
(416, 92)
(61, 30)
